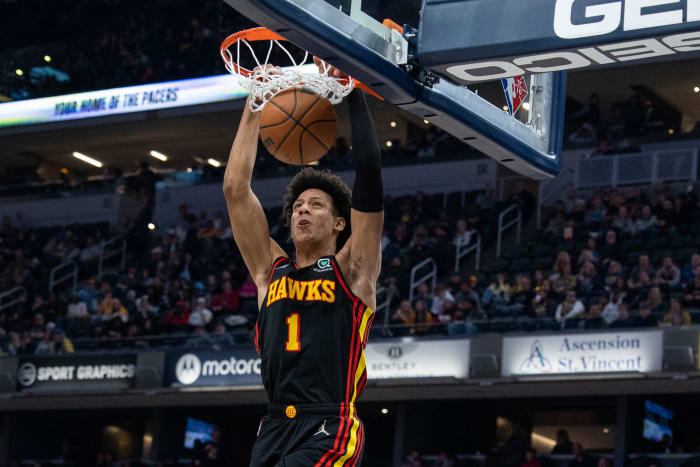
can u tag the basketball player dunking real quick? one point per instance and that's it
(316, 310)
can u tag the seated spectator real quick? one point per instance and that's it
(46, 345)
(442, 301)
(677, 316)
(590, 253)
(613, 274)
(462, 319)
(611, 309)
(593, 319)
(644, 266)
(520, 301)
(581, 459)
(201, 315)
(88, 257)
(603, 462)
(623, 318)
(444, 460)
(466, 292)
(424, 318)
(565, 282)
(569, 310)
(177, 318)
(220, 336)
(562, 260)
(62, 344)
(422, 293)
(587, 279)
(412, 460)
(692, 291)
(669, 276)
(225, 302)
(596, 214)
(77, 310)
(654, 300)
(688, 272)
(531, 459)
(463, 234)
(543, 302)
(564, 444)
(611, 250)
(406, 316)
(623, 223)
(646, 221)
(645, 320)
(89, 295)
(419, 248)
(498, 292)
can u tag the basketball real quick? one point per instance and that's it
(297, 126)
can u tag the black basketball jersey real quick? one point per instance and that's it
(311, 334)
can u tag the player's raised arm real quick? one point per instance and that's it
(363, 253)
(248, 223)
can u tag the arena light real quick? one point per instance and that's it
(385, 411)
(389, 144)
(159, 156)
(426, 122)
(19, 72)
(505, 108)
(526, 106)
(393, 124)
(542, 439)
(606, 430)
(696, 89)
(151, 226)
(189, 170)
(671, 131)
(214, 162)
(87, 159)
(47, 58)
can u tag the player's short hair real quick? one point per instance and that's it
(325, 181)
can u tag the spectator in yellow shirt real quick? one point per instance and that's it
(677, 316)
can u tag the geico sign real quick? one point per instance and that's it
(578, 58)
(633, 14)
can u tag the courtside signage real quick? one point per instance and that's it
(543, 36)
(418, 359)
(125, 100)
(76, 373)
(613, 352)
(226, 368)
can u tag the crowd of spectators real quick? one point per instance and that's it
(622, 259)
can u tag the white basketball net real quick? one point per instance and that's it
(267, 80)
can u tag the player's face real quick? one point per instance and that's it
(313, 219)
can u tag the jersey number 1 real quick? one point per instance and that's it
(293, 344)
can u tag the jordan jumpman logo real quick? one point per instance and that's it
(322, 429)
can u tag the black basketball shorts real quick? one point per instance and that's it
(308, 435)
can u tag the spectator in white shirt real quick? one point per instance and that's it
(77, 309)
(611, 312)
(200, 316)
(441, 300)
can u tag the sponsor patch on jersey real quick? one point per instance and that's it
(323, 265)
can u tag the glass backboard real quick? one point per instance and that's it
(350, 35)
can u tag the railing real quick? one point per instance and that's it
(432, 275)
(503, 226)
(10, 297)
(108, 250)
(383, 302)
(629, 169)
(72, 274)
(462, 250)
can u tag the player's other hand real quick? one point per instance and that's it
(332, 71)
